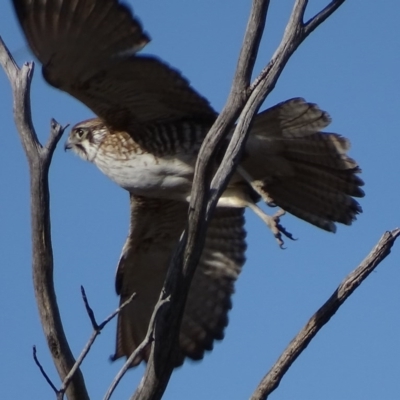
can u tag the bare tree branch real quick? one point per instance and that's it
(39, 159)
(251, 43)
(146, 341)
(295, 33)
(96, 332)
(271, 381)
(189, 249)
(319, 18)
(43, 372)
(89, 310)
(185, 258)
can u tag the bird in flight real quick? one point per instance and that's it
(149, 127)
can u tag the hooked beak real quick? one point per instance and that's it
(68, 145)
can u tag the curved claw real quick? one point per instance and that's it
(273, 223)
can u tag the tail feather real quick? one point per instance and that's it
(308, 216)
(300, 169)
(291, 118)
(328, 179)
(331, 205)
(325, 149)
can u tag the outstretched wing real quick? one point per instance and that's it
(156, 226)
(88, 49)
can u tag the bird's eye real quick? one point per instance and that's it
(79, 132)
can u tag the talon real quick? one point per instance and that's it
(273, 223)
(281, 228)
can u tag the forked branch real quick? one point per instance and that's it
(204, 197)
(97, 328)
(39, 159)
(142, 346)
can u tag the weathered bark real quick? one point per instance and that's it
(39, 159)
(245, 98)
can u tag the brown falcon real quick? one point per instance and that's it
(146, 138)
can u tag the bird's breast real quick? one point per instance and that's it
(147, 175)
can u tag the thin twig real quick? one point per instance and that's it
(142, 346)
(55, 136)
(96, 331)
(89, 310)
(117, 311)
(295, 33)
(319, 18)
(44, 372)
(272, 379)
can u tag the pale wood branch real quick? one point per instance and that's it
(161, 360)
(272, 379)
(97, 328)
(204, 197)
(146, 341)
(39, 159)
(319, 18)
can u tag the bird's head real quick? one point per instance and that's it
(85, 138)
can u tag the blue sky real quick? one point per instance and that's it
(350, 67)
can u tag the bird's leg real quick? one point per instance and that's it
(273, 222)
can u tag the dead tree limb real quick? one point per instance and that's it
(146, 341)
(97, 328)
(248, 98)
(352, 281)
(43, 372)
(39, 159)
